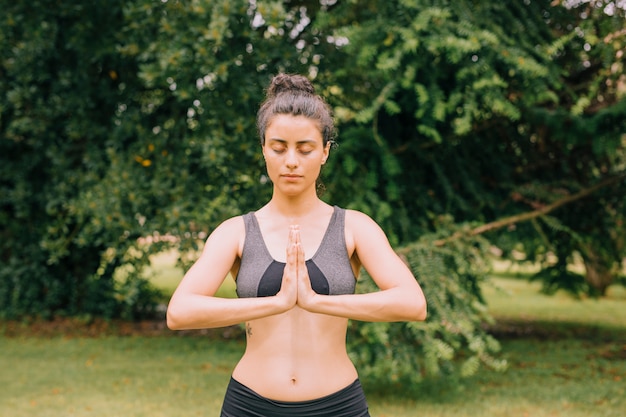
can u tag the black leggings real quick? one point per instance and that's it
(241, 401)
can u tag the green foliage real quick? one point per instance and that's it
(484, 110)
(58, 97)
(123, 123)
(452, 343)
(479, 110)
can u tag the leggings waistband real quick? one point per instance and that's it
(241, 401)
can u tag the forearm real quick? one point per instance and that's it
(194, 311)
(395, 304)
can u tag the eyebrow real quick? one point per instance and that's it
(300, 142)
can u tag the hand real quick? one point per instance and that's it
(289, 286)
(305, 291)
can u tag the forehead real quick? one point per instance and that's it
(289, 127)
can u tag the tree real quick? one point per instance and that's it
(483, 110)
(461, 114)
(121, 121)
(59, 95)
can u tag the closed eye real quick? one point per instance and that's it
(305, 150)
(278, 149)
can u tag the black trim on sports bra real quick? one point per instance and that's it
(330, 270)
(272, 279)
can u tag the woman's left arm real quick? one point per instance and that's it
(400, 297)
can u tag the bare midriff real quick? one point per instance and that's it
(296, 356)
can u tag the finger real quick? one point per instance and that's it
(300, 254)
(292, 235)
(300, 259)
(296, 240)
(296, 233)
(291, 239)
(292, 255)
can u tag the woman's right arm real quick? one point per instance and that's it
(194, 305)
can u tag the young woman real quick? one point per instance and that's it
(295, 261)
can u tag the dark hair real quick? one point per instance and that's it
(295, 95)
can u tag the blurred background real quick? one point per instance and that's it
(488, 139)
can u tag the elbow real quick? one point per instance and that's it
(412, 307)
(420, 310)
(173, 319)
(415, 308)
(171, 323)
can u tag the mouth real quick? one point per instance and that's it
(291, 177)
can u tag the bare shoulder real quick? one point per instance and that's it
(363, 233)
(229, 235)
(234, 224)
(360, 223)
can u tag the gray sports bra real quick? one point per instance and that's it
(330, 270)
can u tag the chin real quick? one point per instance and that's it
(292, 190)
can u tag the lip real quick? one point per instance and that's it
(291, 177)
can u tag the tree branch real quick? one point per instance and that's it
(518, 218)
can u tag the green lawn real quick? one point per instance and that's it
(519, 300)
(186, 376)
(567, 359)
(165, 275)
(114, 376)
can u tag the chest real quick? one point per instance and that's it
(276, 238)
(328, 260)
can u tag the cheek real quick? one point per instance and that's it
(314, 168)
(271, 165)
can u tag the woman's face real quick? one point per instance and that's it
(294, 153)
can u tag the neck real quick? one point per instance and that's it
(294, 207)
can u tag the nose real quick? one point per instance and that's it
(291, 159)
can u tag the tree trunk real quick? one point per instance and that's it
(600, 273)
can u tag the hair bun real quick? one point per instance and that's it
(282, 83)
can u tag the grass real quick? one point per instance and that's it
(519, 300)
(114, 376)
(567, 359)
(165, 275)
(186, 376)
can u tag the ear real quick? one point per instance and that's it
(326, 153)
